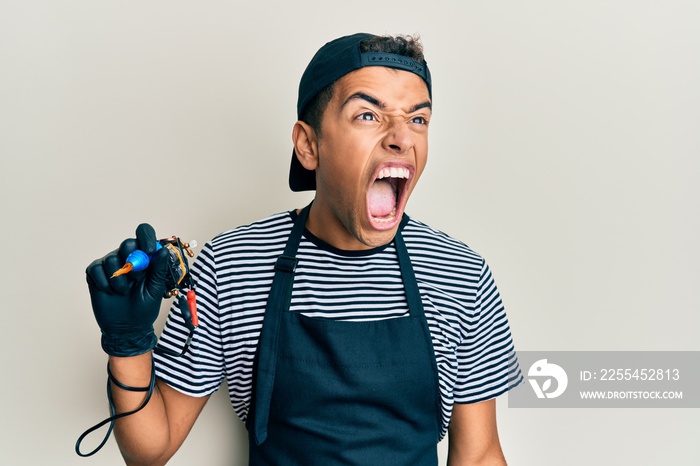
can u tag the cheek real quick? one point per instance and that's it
(421, 162)
(421, 155)
(347, 159)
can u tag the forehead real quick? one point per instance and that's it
(389, 85)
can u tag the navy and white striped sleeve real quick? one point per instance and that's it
(488, 365)
(199, 372)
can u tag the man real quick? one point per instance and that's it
(348, 332)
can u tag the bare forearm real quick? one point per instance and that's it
(494, 458)
(473, 436)
(143, 437)
(489, 454)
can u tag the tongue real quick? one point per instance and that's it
(382, 198)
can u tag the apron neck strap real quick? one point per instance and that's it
(290, 250)
(408, 276)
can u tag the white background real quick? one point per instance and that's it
(565, 148)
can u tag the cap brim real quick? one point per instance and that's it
(301, 179)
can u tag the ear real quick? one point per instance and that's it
(305, 145)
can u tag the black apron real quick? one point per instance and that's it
(329, 392)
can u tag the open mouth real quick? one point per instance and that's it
(385, 197)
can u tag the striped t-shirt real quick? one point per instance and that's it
(233, 274)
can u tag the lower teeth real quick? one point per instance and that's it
(386, 219)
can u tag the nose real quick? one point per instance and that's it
(398, 138)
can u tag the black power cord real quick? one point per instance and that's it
(113, 411)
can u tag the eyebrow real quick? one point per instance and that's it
(381, 105)
(427, 104)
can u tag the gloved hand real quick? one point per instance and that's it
(126, 306)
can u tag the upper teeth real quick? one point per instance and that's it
(393, 172)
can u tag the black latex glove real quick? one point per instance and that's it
(126, 306)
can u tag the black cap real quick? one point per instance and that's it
(333, 61)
